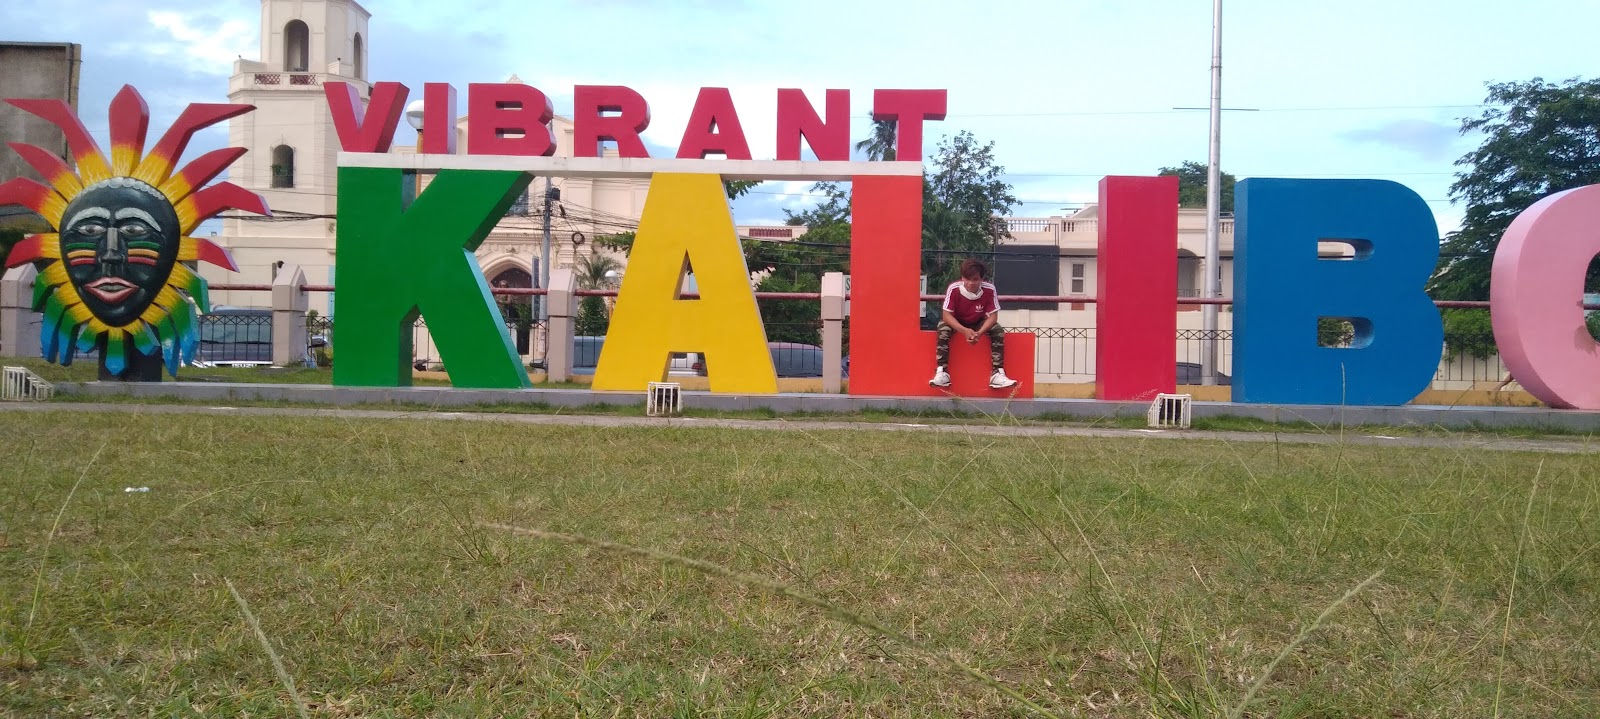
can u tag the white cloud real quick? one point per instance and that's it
(202, 46)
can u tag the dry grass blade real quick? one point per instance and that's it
(830, 609)
(1511, 597)
(1305, 633)
(277, 664)
(44, 557)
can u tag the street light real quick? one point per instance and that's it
(1213, 285)
(414, 118)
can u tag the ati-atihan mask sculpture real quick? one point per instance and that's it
(113, 278)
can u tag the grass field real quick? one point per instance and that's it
(853, 574)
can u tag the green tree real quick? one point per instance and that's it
(592, 319)
(623, 241)
(738, 188)
(1192, 180)
(1538, 139)
(964, 204)
(834, 208)
(617, 242)
(591, 272)
(880, 145)
(1334, 332)
(798, 266)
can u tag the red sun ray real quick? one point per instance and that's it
(207, 203)
(92, 165)
(23, 192)
(208, 251)
(130, 121)
(196, 174)
(52, 168)
(157, 166)
(25, 251)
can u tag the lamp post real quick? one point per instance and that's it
(1213, 269)
(414, 118)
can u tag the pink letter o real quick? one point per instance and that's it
(1536, 292)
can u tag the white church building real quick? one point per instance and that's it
(293, 163)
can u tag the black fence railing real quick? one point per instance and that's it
(235, 339)
(319, 340)
(796, 349)
(1193, 348)
(1061, 351)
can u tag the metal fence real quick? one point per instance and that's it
(1462, 370)
(319, 339)
(1063, 354)
(1067, 354)
(529, 337)
(796, 348)
(235, 339)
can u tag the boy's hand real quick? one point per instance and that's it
(972, 335)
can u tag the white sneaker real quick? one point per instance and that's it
(999, 380)
(941, 378)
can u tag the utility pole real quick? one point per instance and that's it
(551, 194)
(1213, 268)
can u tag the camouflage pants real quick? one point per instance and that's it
(997, 345)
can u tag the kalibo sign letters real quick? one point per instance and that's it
(116, 272)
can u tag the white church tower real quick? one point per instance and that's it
(293, 148)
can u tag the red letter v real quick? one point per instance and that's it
(376, 132)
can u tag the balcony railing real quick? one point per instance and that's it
(295, 78)
(1041, 224)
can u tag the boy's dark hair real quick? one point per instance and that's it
(974, 269)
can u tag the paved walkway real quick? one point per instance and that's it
(1575, 445)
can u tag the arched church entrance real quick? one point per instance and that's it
(518, 310)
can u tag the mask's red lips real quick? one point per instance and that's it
(110, 289)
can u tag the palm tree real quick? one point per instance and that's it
(592, 274)
(880, 145)
(592, 271)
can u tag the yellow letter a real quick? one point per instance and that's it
(686, 223)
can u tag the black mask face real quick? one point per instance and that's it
(119, 240)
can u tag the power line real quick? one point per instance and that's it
(1175, 111)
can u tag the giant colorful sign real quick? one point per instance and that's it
(403, 255)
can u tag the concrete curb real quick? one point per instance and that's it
(967, 429)
(1045, 408)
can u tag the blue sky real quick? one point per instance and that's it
(1068, 90)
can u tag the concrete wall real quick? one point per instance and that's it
(34, 70)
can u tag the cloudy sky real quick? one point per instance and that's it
(1068, 90)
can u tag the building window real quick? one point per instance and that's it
(361, 63)
(296, 46)
(283, 166)
(1188, 273)
(1077, 278)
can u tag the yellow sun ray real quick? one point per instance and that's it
(50, 245)
(55, 274)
